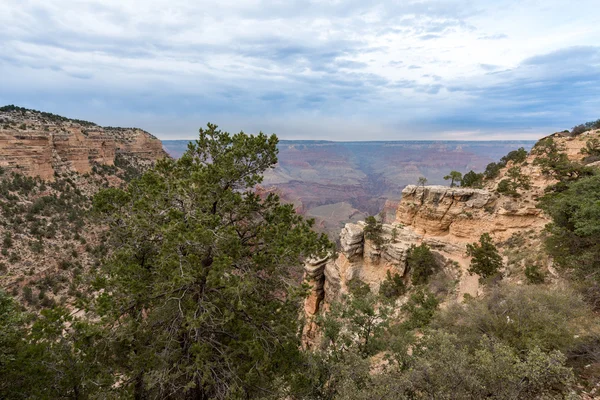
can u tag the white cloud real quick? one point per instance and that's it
(391, 67)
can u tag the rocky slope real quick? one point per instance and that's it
(445, 219)
(39, 144)
(50, 167)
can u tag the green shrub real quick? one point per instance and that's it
(28, 295)
(472, 179)
(14, 257)
(516, 180)
(554, 162)
(392, 287)
(572, 238)
(358, 288)
(419, 309)
(7, 242)
(492, 170)
(523, 317)
(421, 264)
(486, 261)
(374, 230)
(516, 156)
(37, 246)
(534, 274)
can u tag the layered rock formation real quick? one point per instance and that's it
(445, 219)
(40, 144)
(463, 214)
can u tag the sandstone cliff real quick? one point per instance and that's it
(446, 219)
(39, 144)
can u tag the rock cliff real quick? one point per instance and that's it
(446, 219)
(39, 144)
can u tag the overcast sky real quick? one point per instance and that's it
(338, 70)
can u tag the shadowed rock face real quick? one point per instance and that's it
(36, 144)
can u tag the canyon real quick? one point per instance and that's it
(340, 182)
(446, 219)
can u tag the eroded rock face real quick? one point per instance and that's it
(463, 214)
(446, 219)
(433, 209)
(361, 259)
(314, 275)
(34, 144)
(351, 240)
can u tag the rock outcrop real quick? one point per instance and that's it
(357, 259)
(444, 218)
(39, 144)
(463, 214)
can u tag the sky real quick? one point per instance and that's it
(331, 70)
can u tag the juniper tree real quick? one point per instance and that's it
(374, 230)
(199, 290)
(486, 261)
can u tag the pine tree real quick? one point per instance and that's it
(454, 177)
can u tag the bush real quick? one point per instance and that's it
(592, 148)
(486, 261)
(553, 160)
(37, 246)
(358, 288)
(516, 156)
(578, 130)
(533, 274)
(504, 187)
(472, 179)
(392, 287)
(373, 230)
(421, 264)
(516, 180)
(7, 242)
(28, 295)
(420, 308)
(492, 170)
(444, 368)
(572, 238)
(523, 317)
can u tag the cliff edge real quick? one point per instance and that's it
(36, 143)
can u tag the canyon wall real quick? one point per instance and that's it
(40, 144)
(446, 219)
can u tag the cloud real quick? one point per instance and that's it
(397, 69)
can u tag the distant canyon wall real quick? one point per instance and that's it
(37, 146)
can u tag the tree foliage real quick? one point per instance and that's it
(472, 179)
(374, 230)
(516, 156)
(421, 263)
(515, 181)
(554, 162)
(486, 261)
(573, 234)
(392, 287)
(454, 177)
(199, 290)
